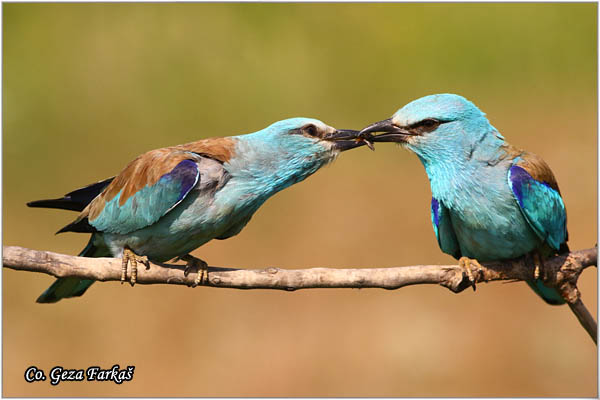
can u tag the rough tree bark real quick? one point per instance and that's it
(561, 272)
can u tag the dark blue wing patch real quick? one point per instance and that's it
(185, 174)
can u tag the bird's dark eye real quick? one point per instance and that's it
(426, 125)
(310, 130)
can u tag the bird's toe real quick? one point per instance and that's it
(197, 265)
(129, 257)
(466, 263)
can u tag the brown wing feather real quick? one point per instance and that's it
(221, 149)
(538, 169)
(147, 169)
(533, 164)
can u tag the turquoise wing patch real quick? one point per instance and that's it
(541, 205)
(150, 203)
(444, 232)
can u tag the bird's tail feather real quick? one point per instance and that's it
(76, 200)
(549, 295)
(64, 288)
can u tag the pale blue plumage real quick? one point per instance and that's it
(170, 201)
(272, 160)
(490, 201)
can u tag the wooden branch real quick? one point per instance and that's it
(585, 319)
(560, 272)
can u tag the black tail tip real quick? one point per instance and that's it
(47, 298)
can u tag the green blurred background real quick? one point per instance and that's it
(87, 87)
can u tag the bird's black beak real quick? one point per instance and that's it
(346, 139)
(392, 132)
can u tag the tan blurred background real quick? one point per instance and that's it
(87, 87)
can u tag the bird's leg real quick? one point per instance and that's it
(194, 263)
(465, 263)
(123, 268)
(130, 257)
(539, 265)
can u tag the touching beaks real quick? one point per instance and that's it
(346, 139)
(392, 132)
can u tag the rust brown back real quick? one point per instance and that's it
(148, 168)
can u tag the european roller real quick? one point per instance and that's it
(490, 200)
(170, 201)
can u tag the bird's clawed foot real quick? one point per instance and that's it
(539, 265)
(197, 265)
(465, 263)
(130, 257)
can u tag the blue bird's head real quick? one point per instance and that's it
(307, 135)
(288, 151)
(439, 127)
